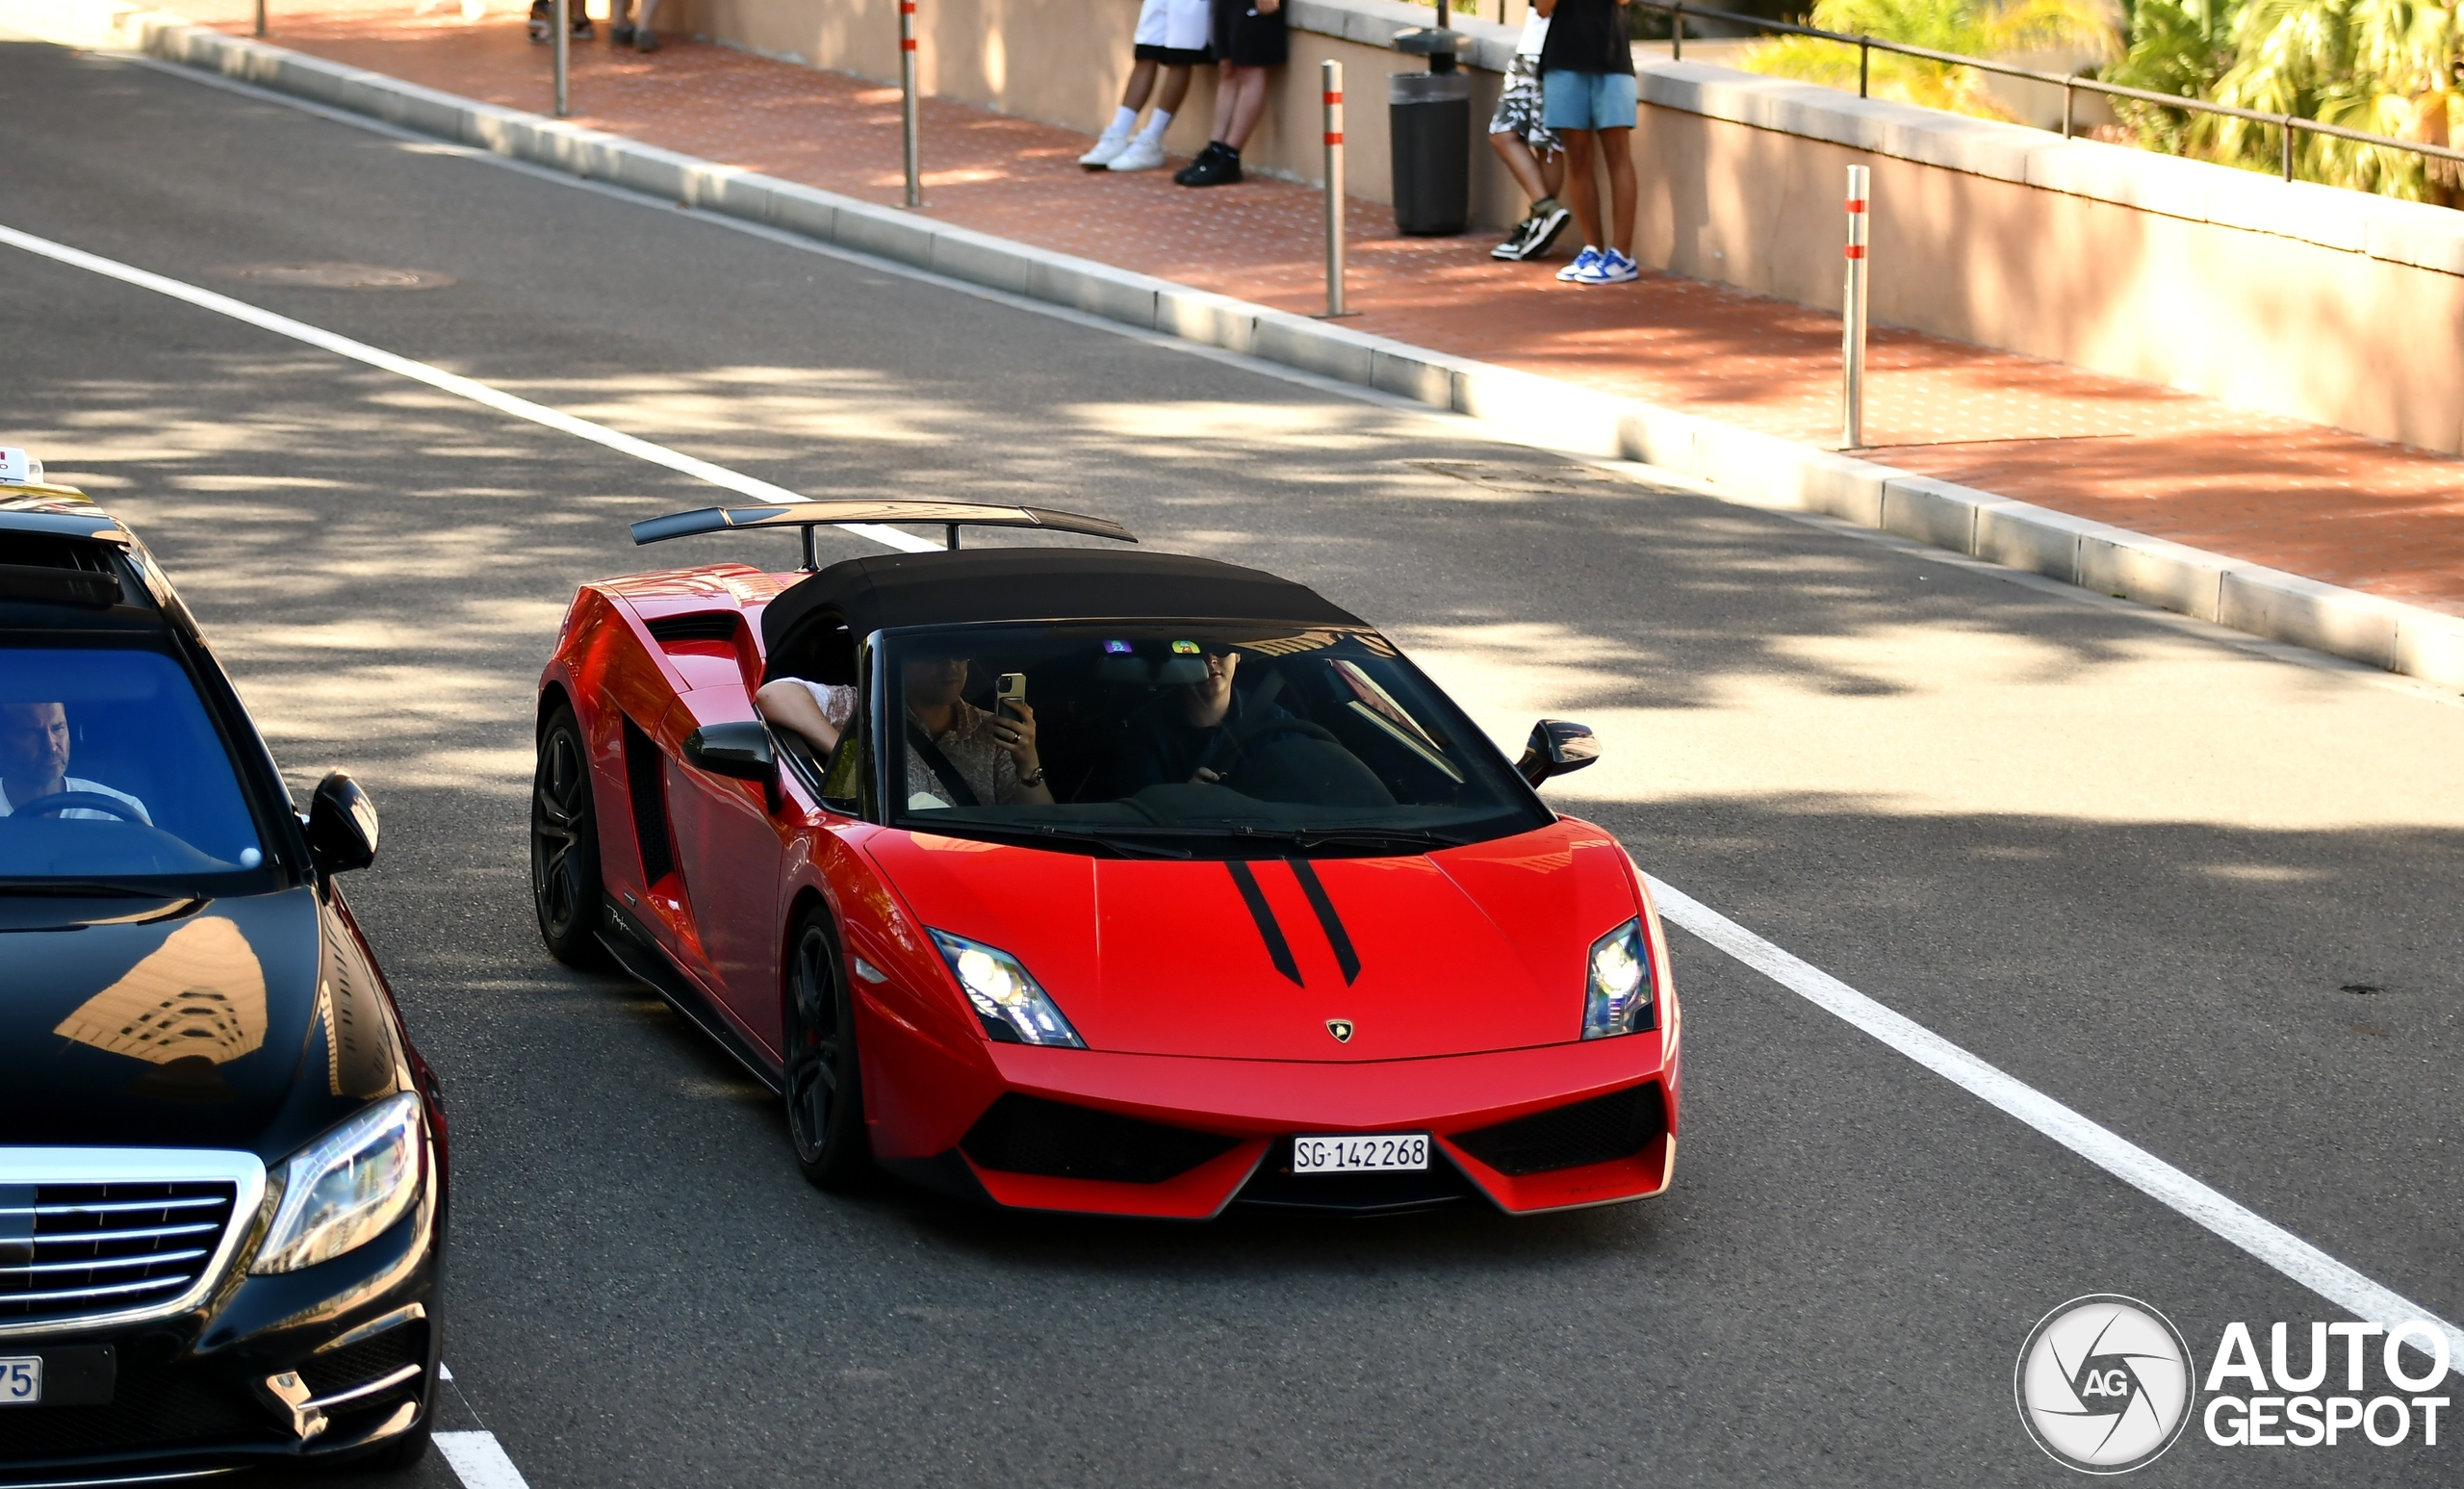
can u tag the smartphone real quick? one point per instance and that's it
(1011, 689)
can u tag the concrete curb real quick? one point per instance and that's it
(1757, 468)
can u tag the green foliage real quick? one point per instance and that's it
(2385, 66)
(1970, 28)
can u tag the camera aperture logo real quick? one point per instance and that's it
(2104, 1384)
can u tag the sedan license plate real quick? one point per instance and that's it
(1385, 1152)
(20, 1379)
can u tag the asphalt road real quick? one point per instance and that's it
(2127, 860)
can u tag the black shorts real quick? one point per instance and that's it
(1172, 56)
(1244, 37)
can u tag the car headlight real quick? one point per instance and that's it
(1617, 994)
(1008, 1004)
(346, 1187)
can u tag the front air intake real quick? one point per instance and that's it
(1030, 1135)
(1602, 1130)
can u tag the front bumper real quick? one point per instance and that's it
(324, 1365)
(1530, 1131)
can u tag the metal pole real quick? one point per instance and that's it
(1852, 327)
(1864, 59)
(1677, 34)
(563, 22)
(906, 85)
(261, 17)
(1333, 77)
(2288, 147)
(2067, 95)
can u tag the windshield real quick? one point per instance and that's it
(111, 771)
(1183, 739)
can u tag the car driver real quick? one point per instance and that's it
(957, 753)
(34, 763)
(1192, 737)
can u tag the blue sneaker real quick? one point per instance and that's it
(1584, 263)
(1610, 267)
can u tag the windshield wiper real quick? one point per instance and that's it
(1126, 841)
(92, 889)
(1301, 837)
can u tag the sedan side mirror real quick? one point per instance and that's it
(341, 826)
(1557, 746)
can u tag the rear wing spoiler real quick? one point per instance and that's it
(808, 515)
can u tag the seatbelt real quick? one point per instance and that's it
(963, 794)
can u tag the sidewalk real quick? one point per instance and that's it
(2311, 501)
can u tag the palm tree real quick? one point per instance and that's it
(1969, 28)
(2386, 66)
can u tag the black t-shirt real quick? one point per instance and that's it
(1164, 747)
(1586, 36)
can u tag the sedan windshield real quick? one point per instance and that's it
(1183, 739)
(111, 772)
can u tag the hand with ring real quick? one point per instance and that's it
(1016, 736)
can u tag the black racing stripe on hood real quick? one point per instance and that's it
(1264, 914)
(1327, 920)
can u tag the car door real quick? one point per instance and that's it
(733, 849)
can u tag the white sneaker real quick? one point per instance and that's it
(1108, 148)
(1584, 263)
(1612, 267)
(1142, 154)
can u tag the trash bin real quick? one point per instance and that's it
(1429, 136)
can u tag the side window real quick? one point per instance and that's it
(842, 783)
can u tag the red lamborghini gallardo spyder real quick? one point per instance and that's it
(1130, 884)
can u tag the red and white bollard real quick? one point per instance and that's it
(906, 86)
(1333, 77)
(1852, 329)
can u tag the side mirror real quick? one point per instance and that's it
(742, 752)
(341, 826)
(1557, 746)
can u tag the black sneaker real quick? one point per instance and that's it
(582, 30)
(620, 35)
(1221, 169)
(1518, 243)
(1186, 174)
(1552, 223)
(543, 20)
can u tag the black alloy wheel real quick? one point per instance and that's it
(825, 1095)
(564, 845)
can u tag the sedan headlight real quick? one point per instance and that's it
(346, 1187)
(1012, 1007)
(1617, 995)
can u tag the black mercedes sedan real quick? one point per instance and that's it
(222, 1176)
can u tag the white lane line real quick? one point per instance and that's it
(479, 1461)
(2236, 1223)
(444, 381)
(2126, 1161)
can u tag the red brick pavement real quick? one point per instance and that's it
(2317, 502)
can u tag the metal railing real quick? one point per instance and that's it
(2071, 85)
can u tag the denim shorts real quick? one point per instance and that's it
(1587, 100)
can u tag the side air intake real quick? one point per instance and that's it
(1618, 1125)
(1030, 1135)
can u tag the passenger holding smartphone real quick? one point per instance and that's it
(957, 753)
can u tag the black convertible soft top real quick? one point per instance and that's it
(865, 595)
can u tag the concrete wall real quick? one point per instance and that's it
(2330, 306)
